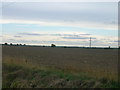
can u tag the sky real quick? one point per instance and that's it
(61, 23)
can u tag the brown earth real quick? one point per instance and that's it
(95, 62)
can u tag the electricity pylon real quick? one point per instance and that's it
(90, 42)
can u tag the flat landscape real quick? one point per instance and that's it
(55, 67)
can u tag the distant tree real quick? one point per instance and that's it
(24, 44)
(119, 47)
(11, 44)
(53, 45)
(17, 44)
(6, 44)
(20, 44)
(109, 47)
(65, 47)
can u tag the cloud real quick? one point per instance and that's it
(59, 1)
(63, 35)
(61, 11)
(18, 36)
(11, 39)
(88, 15)
(85, 34)
(31, 34)
(75, 37)
(83, 24)
(116, 41)
(79, 36)
(70, 39)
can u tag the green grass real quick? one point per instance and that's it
(20, 76)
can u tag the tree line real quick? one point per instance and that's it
(52, 45)
(14, 44)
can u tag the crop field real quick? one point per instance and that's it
(55, 67)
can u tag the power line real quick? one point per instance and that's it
(90, 42)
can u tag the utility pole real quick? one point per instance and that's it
(90, 42)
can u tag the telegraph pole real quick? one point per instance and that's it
(90, 42)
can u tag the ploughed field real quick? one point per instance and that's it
(96, 63)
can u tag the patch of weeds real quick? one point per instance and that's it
(11, 76)
(20, 76)
(103, 80)
(11, 67)
(69, 77)
(111, 84)
(6, 83)
(43, 74)
(15, 84)
(61, 75)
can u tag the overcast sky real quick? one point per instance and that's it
(62, 23)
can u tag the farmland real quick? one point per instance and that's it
(59, 67)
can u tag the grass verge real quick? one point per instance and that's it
(23, 76)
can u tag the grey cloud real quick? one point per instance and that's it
(68, 12)
(72, 35)
(11, 39)
(31, 34)
(85, 34)
(57, 34)
(77, 37)
(116, 41)
(18, 36)
(112, 41)
(44, 42)
(115, 22)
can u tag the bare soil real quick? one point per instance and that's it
(94, 62)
